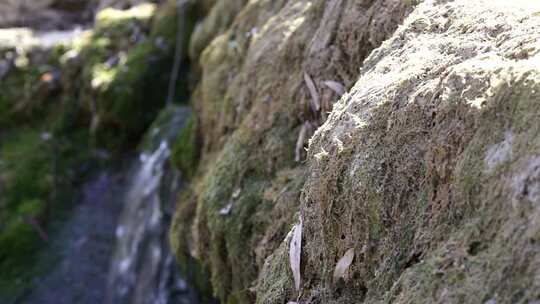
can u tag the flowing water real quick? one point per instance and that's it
(142, 268)
(114, 248)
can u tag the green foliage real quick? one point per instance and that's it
(37, 171)
(132, 99)
(15, 97)
(128, 95)
(36, 176)
(27, 167)
(26, 171)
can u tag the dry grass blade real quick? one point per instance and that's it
(315, 98)
(295, 253)
(342, 266)
(335, 86)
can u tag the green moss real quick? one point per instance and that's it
(129, 95)
(23, 165)
(180, 240)
(231, 206)
(19, 243)
(129, 101)
(36, 172)
(165, 25)
(275, 284)
(28, 182)
(185, 154)
(37, 176)
(17, 102)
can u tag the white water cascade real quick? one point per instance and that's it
(142, 267)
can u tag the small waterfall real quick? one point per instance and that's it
(143, 268)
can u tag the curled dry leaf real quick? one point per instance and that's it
(295, 253)
(342, 266)
(300, 142)
(335, 86)
(315, 98)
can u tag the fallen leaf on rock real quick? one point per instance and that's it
(335, 86)
(342, 266)
(315, 98)
(226, 210)
(300, 142)
(295, 253)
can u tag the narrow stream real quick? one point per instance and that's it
(114, 248)
(142, 268)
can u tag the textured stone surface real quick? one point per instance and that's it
(253, 105)
(427, 166)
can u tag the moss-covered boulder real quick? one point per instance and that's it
(124, 76)
(254, 117)
(425, 172)
(428, 168)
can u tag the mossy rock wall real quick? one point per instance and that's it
(427, 167)
(251, 106)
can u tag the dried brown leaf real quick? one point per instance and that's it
(315, 100)
(335, 86)
(342, 266)
(300, 142)
(295, 253)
